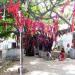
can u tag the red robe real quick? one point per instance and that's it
(61, 56)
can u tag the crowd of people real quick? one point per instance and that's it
(34, 44)
(39, 41)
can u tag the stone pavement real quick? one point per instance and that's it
(39, 66)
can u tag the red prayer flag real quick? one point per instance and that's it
(64, 6)
(72, 26)
(55, 21)
(73, 18)
(11, 1)
(0, 17)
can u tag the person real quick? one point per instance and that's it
(71, 52)
(50, 43)
(30, 48)
(62, 55)
(67, 49)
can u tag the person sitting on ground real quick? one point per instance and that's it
(62, 55)
(71, 52)
(67, 49)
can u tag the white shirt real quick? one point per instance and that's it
(67, 50)
(72, 53)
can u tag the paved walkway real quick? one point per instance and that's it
(39, 66)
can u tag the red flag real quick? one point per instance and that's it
(64, 6)
(13, 7)
(41, 25)
(72, 26)
(11, 1)
(73, 18)
(28, 23)
(55, 21)
(4, 26)
(35, 25)
(0, 17)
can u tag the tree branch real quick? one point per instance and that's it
(63, 18)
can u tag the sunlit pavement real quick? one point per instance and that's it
(40, 66)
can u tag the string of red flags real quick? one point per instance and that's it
(0, 14)
(32, 26)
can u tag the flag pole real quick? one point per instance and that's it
(20, 30)
(21, 65)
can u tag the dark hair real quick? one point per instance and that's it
(68, 44)
(62, 50)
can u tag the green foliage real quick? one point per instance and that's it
(15, 1)
(5, 34)
(36, 8)
(60, 0)
(6, 1)
(61, 21)
(10, 20)
(3, 1)
(7, 20)
(1, 28)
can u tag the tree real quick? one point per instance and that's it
(42, 10)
